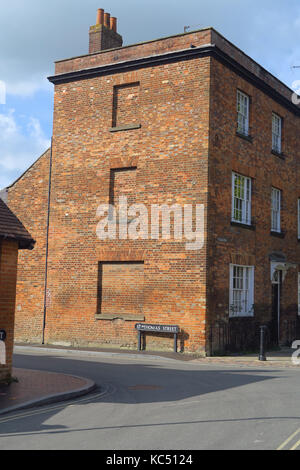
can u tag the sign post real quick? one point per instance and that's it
(143, 328)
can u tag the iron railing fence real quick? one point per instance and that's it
(235, 337)
(244, 336)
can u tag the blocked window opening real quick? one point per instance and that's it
(121, 288)
(122, 183)
(126, 105)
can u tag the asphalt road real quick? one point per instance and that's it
(146, 403)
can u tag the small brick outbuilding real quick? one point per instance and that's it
(13, 237)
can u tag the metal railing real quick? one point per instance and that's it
(243, 335)
(235, 337)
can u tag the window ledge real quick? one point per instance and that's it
(120, 317)
(241, 225)
(278, 234)
(125, 128)
(244, 136)
(278, 154)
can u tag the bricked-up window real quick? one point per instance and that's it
(241, 297)
(121, 288)
(126, 110)
(123, 183)
(276, 133)
(241, 199)
(275, 210)
(243, 106)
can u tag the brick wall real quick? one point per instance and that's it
(120, 290)
(163, 162)
(28, 199)
(126, 105)
(8, 278)
(150, 48)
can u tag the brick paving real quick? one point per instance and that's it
(33, 387)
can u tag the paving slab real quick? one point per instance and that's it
(277, 358)
(35, 388)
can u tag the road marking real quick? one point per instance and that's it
(295, 446)
(284, 444)
(109, 390)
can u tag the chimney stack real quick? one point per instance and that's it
(104, 34)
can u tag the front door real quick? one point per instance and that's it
(276, 295)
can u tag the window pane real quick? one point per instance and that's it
(241, 294)
(275, 210)
(243, 113)
(241, 202)
(276, 132)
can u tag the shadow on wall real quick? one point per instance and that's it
(183, 336)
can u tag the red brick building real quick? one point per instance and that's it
(186, 120)
(13, 237)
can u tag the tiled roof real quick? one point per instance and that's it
(11, 228)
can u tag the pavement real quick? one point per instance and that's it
(280, 358)
(36, 388)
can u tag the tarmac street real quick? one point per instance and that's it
(159, 403)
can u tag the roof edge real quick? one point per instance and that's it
(137, 44)
(176, 56)
(24, 243)
(28, 169)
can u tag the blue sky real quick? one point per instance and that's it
(33, 34)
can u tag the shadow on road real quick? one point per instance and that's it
(133, 383)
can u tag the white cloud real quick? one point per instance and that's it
(19, 146)
(27, 88)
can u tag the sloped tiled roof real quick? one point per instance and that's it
(11, 228)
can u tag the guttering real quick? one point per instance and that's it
(24, 243)
(47, 247)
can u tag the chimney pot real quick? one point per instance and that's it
(100, 16)
(107, 20)
(113, 24)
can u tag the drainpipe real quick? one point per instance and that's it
(47, 246)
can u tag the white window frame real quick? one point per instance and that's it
(241, 291)
(276, 210)
(276, 133)
(243, 107)
(299, 219)
(241, 199)
(299, 294)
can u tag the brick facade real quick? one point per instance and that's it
(154, 122)
(13, 236)
(8, 280)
